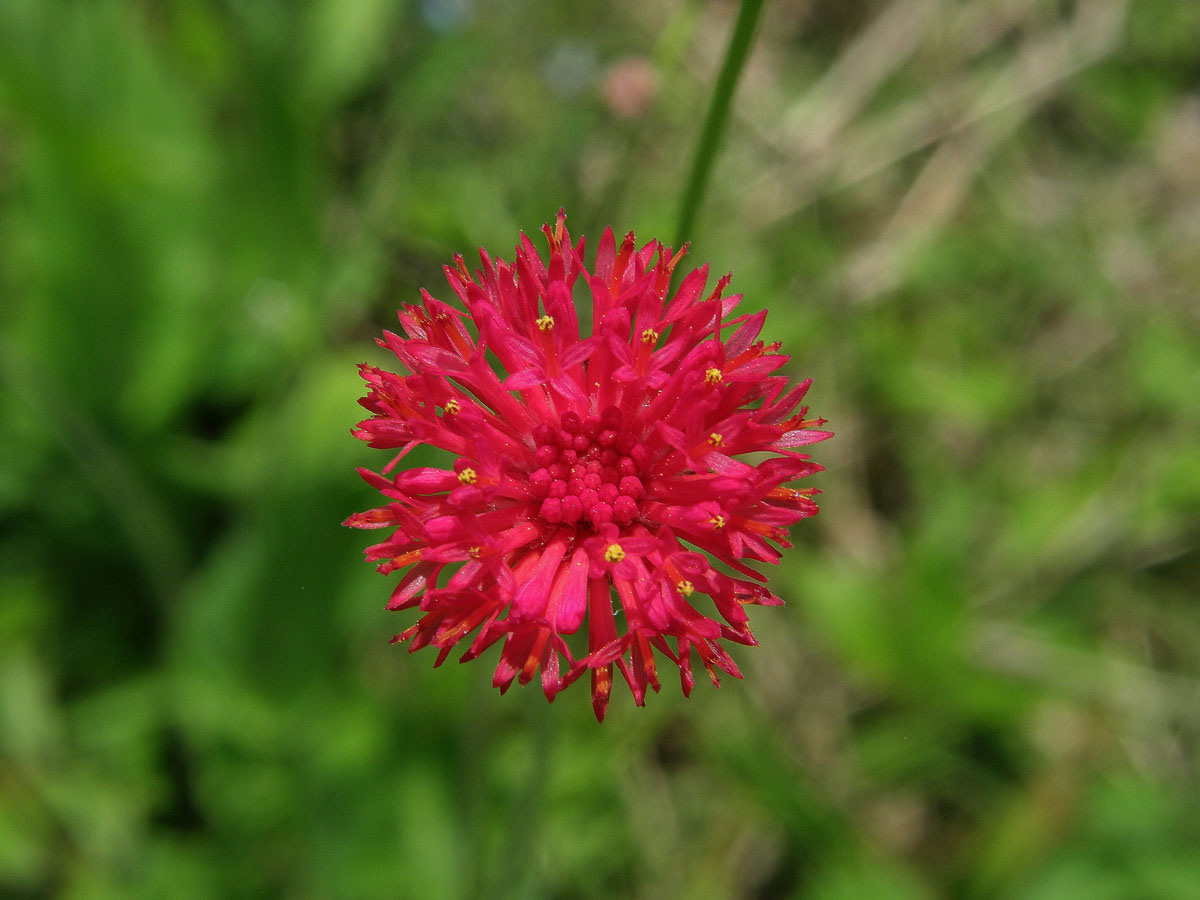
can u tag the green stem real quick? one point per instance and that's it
(714, 119)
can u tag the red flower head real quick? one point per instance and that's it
(595, 478)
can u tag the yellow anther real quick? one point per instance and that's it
(685, 588)
(717, 522)
(467, 476)
(545, 323)
(649, 336)
(473, 552)
(715, 439)
(614, 553)
(713, 376)
(453, 408)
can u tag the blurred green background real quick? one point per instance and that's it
(977, 227)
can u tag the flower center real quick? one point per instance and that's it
(589, 470)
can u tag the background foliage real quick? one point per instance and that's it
(977, 227)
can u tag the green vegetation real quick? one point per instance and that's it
(976, 224)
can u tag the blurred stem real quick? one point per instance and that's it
(714, 119)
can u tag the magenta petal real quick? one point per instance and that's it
(568, 596)
(534, 595)
(801, 438)
(524, 379)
